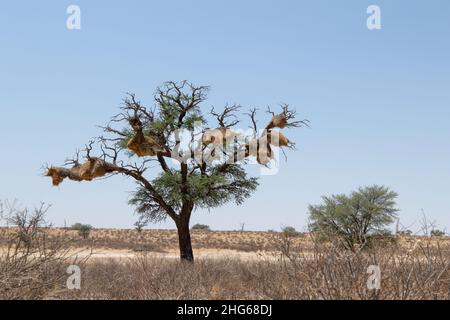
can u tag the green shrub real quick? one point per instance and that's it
(84, 230)
(405, 233)
(352, 219)
(437, 233)
(290, 231)
(202, 227)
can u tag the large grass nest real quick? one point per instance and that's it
(278, 121)
(218, 136)
(141, 144)
(93, 168)
(278, 139)
(262, 151)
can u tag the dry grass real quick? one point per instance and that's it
(291, 268)
(31, 264)
(164, 240)
(325, 272)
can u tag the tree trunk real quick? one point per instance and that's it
(184, 239)
(184, 235)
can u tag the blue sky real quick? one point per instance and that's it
(379, 101)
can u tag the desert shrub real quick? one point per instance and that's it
(381, 240)
(202, 227)
(296, 271)
(417, 271)
(84, 230)
(290, 231)
(351, 219)
(142, 222)
(295, 268)
(437, 233)
(139, 226)
(31, 265)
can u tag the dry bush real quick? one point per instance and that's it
(297, 271)
(292, 268)
(420, 271)
(31, 265)
(145, 277)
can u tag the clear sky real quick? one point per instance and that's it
(378, 101)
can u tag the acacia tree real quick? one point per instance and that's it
(353, 218)
(207, 172)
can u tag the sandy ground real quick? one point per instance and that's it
(173, 254)
(106, 253)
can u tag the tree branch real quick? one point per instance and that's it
(227, 113)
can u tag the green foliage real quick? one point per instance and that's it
(405, 233)
(205, 191)
(140, 224)
(167, 114)
(290, 231)
(84, 230)
(437, 233)
(200, 226)
(353, 218)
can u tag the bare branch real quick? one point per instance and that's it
(88, 149)
(269, 111)
(252, 115)
(183, 95)
(227, 113)
(109, 129)
(134, 109)
(285, 119)
(75, 161)
(109, 152)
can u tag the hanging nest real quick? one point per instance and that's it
(278, 121)
(93, 168)
(88, 171)
(218, 136)
(58, 175)
(143, 145)
(278, 139)
(261, 150)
